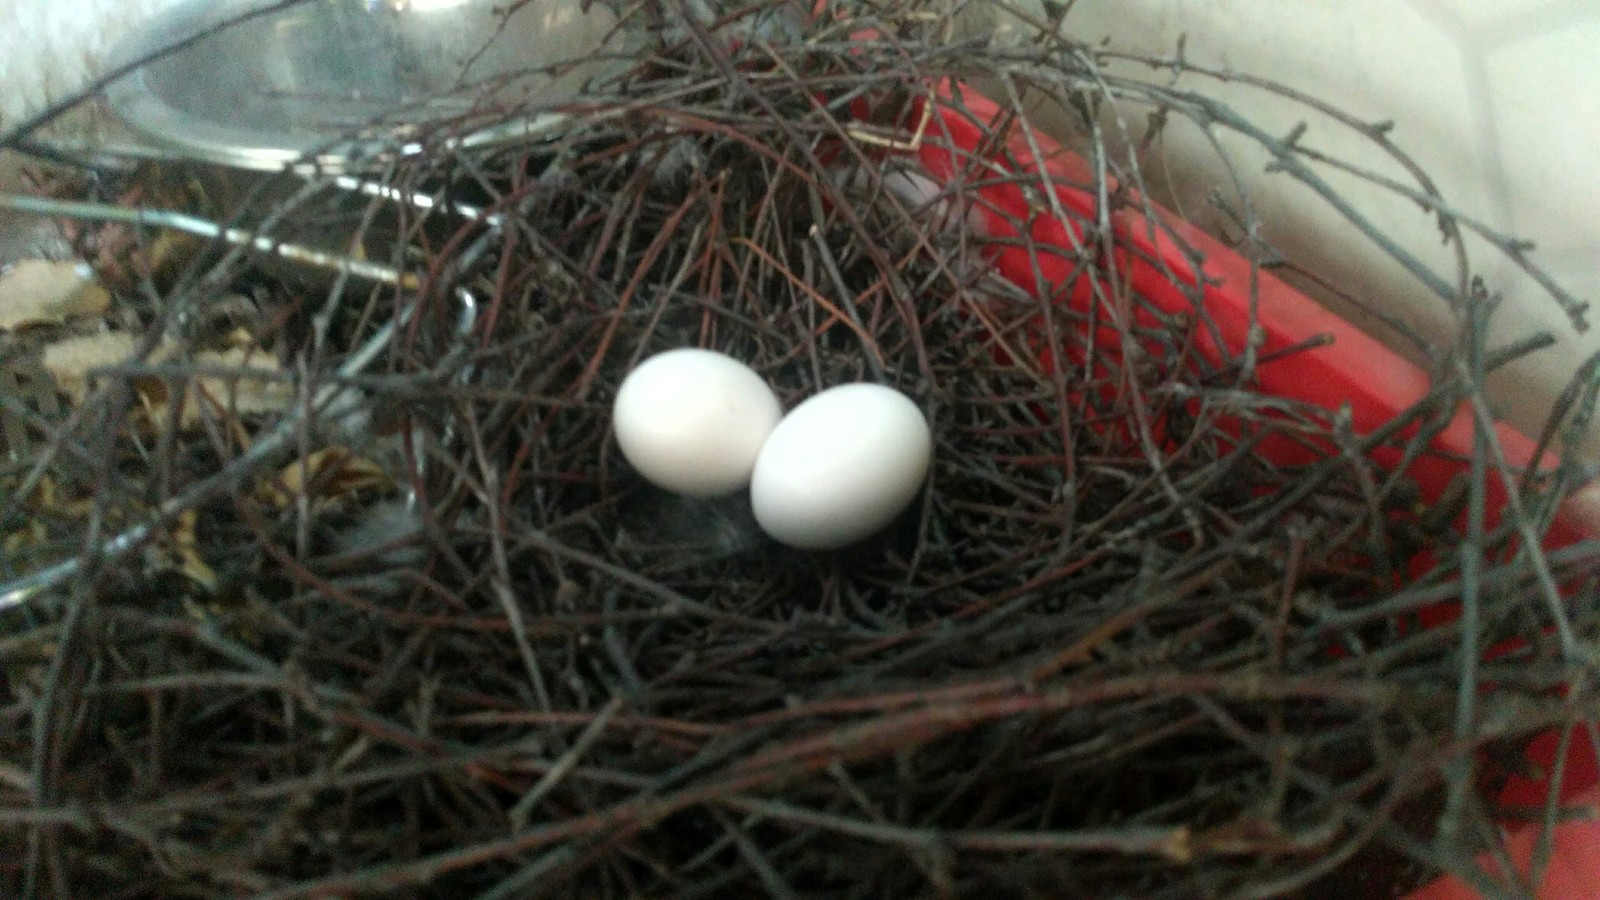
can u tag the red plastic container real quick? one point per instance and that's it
(1353, 370)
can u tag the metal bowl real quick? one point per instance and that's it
(333, 83)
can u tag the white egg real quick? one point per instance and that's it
(841, 466)
(693, 421)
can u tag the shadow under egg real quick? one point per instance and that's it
(695, 530)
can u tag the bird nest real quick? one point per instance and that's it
(327, 576)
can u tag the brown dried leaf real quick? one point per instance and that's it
(70, 361)
(243, 395)
(44, 292)
(331, 473)
(171, 251)
(186, 555)
(256, 389)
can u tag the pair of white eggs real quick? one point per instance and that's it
(838, 468)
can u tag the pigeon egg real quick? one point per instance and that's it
(841, 466)
(692, 421)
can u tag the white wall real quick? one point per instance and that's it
(1498, 99)
(49, 48)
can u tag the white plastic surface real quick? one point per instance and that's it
(1499, 100)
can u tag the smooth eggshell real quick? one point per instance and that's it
(841, 466)
(693, 421)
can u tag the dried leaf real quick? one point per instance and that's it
(331, 473)
(257, 389)
(44, 292)
(171, 250)
(186, 558)
(70, 361)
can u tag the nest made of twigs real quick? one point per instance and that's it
(417, 627)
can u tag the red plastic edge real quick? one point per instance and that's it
(1353, 371)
